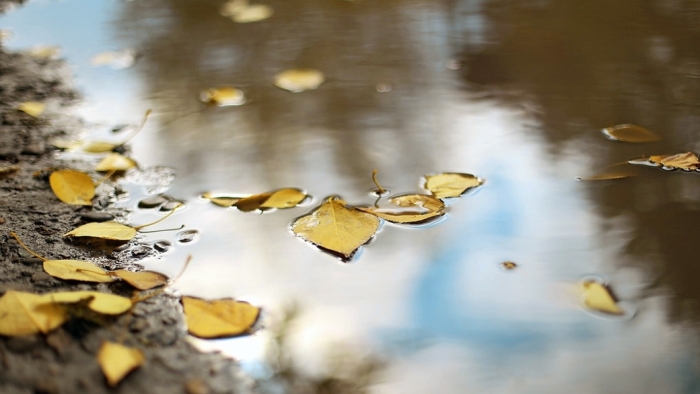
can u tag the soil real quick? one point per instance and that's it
(64, 361)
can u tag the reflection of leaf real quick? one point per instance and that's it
(433, 209)
(299, 80)
(116, 361)
(629, 133)
(72, 187)
(107, 304)
(218, 318)
(223, 96)
(450, 184)
(336, 227)
(76, 270)
(599, 298)
(619, 171)
(142, 280)
(32, 108)
(115, 162)
(105, 230)
(26, 313)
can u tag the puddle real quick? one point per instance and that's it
(517, 98)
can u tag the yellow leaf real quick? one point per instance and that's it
(223, 97)
(687, 161)
(222, 201)
(67, 145)
(218, 318)
(107, 304)
(433, 209)
(32, 108)
(105, 230)
(252, 13)
(72, 187)
(143, 280)
(598, 297)
(284, 198)
(76, 270)
(509, 265)
(450, 184)
(116, 361)
(336, 228)
(252, 203)
(629, 133)
(26, 313)
(98, 147)
(115, 162)
(299, 80)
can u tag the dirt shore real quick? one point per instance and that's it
(64, 361)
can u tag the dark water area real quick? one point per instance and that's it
(513, 92)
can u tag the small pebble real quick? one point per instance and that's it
(3, 220)
(152, 202)
(22, 343)
(95, 216)
(162, 246)
(40, 277)
(187, 236)
(36, 149)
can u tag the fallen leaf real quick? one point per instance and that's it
(598, 297)
(115, 162)
(619, 171)
(32, 108)
(278, 199)
(433, 209)
(252, 13)
(509, 265)
(26, 314)
(336, 228)
(76, 270)
(688, 161)
(218, 318)
(222, 201)
(450, 184)
(116, 361)
(629, 133)
(142, 280)
(106, 230)
(106, 304)
(299, 80)
(223, 97)
(72, 187)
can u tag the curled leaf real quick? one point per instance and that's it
(450, 184)
(433, 209)
(117, 361)
(299, 80)
(26, 314)
(76, 270)
(142, 280)
(223, 96)
(115, 162)
(278, 199)
(72, 187)
(598, 297)
(629, 133)
(32, 108)
(105, 230)
(218, 318)
(107, 304)
(336, 228)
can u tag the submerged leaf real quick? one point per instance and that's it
(32, 108)
(26, 313)
(223, 96)
(115, 162)
(105, 230)
(598, 297)
(72, 187)
(142, 280)
(116, 361)
(76, 270)
(299, 80)
(433, 209)
(107, 304)
(451, 184)
(336, 227)
(218, 318)
(629, 133)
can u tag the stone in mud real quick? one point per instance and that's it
(96, 216)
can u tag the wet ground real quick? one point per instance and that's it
(514, 92)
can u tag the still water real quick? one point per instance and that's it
(514, 92)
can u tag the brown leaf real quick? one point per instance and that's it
(688, 161)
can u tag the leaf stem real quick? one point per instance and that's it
(135, 132)
(165, 229)
(380, 189)
(138, 228)
(16, 237)
(104, 178)
(182, 271)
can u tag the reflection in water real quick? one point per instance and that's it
(521, 106)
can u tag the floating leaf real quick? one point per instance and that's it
(115, 162)
(218, 318)
(433, 209)
(76, 270)
(32, 108)
(451, 184)
(299, 80)
(222, 201)
(142, 280)
(26, 314)
(107, 304)
(72, 187)
(116, 361)
(629, 133)
(336, 228)
(509, 265)
(598, 297)
(106, 230)
(279, 199)
(284, 198)
(223, 97)
(619, 171)
(688, 161)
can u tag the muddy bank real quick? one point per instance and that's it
(64, 361)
